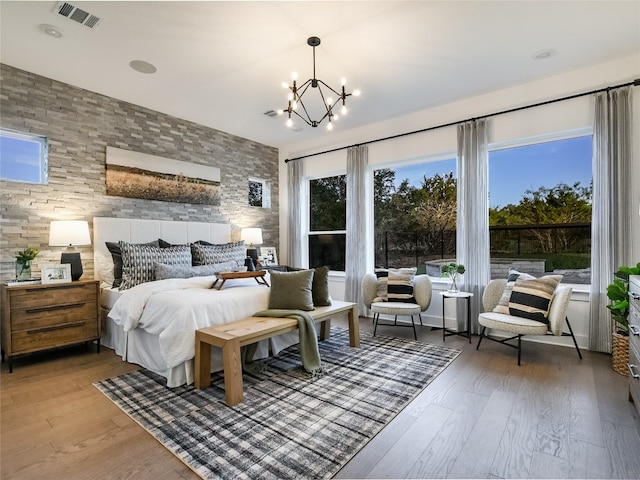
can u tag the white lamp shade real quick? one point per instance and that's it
(251, 236)
(63, 233)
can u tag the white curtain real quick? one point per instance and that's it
(355, 262)
(294, 185)
(611, 215)
(472, 237)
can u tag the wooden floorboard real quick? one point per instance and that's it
(484, 417)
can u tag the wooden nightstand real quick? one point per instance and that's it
(41, 317)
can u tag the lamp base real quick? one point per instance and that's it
(76, 264)
(253, 253)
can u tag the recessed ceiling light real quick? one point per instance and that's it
(50, 30)
(142, 66)
(543, 54)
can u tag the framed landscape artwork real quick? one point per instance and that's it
(138, 175)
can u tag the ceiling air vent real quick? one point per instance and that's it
(77, 14)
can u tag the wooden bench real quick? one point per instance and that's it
(233, 335)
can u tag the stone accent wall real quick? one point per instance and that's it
(80, 125)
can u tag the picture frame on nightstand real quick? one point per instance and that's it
(269, 254)
(56, 273)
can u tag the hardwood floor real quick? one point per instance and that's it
(484, 417)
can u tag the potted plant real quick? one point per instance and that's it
(23, 262)
(618, 293)
(452, 270)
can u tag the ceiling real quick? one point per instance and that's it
(222, 63)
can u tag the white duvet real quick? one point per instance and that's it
(174, 309)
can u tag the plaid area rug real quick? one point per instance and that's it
(288, 426)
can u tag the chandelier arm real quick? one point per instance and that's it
(336, 93)
(304, 119)
(304, 108)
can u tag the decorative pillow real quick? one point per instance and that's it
(381, 285)
(503, 304)
(138, 261)
(400, 285)
(531, 298)
(209, 254)
(291, 290)
(395, 285)
(116, 255)
(320, 287)
(164, 271)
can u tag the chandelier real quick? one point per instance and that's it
(297, 92)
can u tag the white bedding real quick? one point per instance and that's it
(174, 309)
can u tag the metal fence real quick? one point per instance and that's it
(401, 249)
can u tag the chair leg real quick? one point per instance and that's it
(574, 337)
(376, 316)
(415, 335)
(420, 318)
(480, 339)
(519, 348)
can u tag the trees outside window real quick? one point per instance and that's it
(415, 220)
(540, 214)
(328, 222)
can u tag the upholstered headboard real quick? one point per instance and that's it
(107, 229)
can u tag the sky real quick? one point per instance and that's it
(513, 171)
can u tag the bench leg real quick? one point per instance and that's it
(354, 327)
(325, 329)
(232, 372)
(202, 364)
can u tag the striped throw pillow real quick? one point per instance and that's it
(503, 304)
(395, 285)
(531, 298)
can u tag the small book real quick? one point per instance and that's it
(26, 281)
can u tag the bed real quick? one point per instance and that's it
(153, 323)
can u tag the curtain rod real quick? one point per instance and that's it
(635, 83)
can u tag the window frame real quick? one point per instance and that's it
(307, 218)
(43, 159)
(266, 192)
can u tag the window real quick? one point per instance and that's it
(23, 157)
(415, 215)
(328, 222)
(259, 193)
(540, 208)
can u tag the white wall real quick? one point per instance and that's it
(572, 115)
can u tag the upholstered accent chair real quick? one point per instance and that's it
(417, 303)
(520, 326)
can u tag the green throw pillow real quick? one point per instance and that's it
(320, 287)
(291, 290)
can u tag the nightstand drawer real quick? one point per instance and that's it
(51, 295)
(45, 316)
(51, 336)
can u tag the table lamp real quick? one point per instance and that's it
(251, 236)
(70, 233)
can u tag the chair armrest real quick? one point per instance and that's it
(492, 294)
(422, 291)
(369, 284)
(558, 309)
